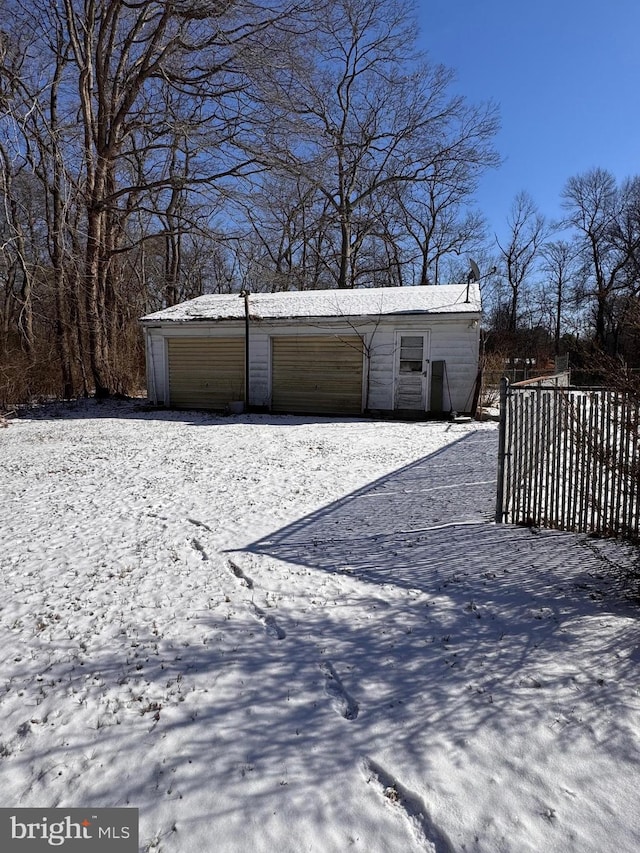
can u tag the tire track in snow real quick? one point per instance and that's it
(410, 806)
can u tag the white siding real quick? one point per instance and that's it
(155, 367)
(457, 345)
(381, 368)
(454, 340)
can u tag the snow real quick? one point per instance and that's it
(305, 634)
(359, 302)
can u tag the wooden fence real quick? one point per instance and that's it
(568, 459)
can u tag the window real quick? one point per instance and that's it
(411, 353)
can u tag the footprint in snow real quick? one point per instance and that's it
(344, 703)
(410, 805)
(197, 523)
(270, 623)
(197, 546)
(242, 577)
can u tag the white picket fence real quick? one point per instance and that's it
(568, 459)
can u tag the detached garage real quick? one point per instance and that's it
(408, 351)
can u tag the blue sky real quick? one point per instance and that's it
(566, 76)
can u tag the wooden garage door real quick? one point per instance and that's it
(317, 375)
(205, 373)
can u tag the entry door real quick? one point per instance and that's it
(412, 370)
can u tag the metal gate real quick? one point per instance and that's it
(568, 459)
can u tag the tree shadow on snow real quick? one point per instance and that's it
(416, 623)
(465, 618)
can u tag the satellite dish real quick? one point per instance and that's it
(474, 272)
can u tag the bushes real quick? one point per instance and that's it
(28, 379)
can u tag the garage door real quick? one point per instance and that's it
(205, 373)
(317, 375)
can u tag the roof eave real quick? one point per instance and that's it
(416, 312)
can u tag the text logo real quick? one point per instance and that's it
(69, 830)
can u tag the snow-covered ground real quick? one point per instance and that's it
(289, 634)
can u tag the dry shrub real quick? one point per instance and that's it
(25, 381)
(128, 365)
(492, 366)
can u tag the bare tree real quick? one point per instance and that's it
(283, 231)
(435, 216)
(355, 111)
(527, 232)
(607, 220)
(559, 263)
(126, 128)
(128, 113)
(124, 55)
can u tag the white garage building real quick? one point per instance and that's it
(395, 350)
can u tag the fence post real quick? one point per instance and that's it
(502, 434)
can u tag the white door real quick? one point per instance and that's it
(412, 370)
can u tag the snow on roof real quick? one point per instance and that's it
(362, 302)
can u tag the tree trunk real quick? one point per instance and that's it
(94, 302)
(345, 253)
